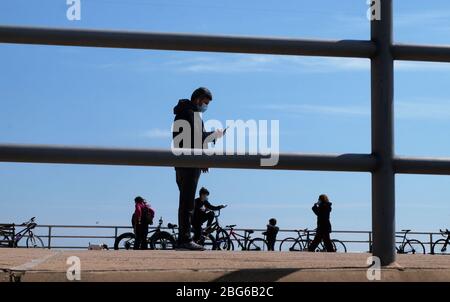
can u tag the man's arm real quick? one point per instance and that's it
(315, 209)
(211, 207)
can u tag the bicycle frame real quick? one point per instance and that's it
(239, 238)
(402, 245)
(26, 231)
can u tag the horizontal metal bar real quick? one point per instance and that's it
(54, 226)
(428, 53)
(189, 42)
(77, 237)
(157, 157)
(407, 165)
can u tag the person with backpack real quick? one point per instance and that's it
(142, 218)
(322, 209)
(203, 211)
(271, 234)
(189, 133)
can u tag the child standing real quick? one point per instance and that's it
(271, 234)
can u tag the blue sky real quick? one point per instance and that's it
(119, 97)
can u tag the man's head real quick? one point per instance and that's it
(324, 198)
(139, 199)
(204, 193)
(201, 98)
(272, 221)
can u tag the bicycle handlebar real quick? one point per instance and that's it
(217, 212)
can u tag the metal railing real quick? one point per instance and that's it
(381, 163)
(356, 241)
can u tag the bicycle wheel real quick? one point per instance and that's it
(339, 246)
(7, 242)
(223, 242)
(257, 244)
(209, 242)
(34, 242)
(413, 246)
(125, 241)
(291, 244)
(162, 241)
(441, 247)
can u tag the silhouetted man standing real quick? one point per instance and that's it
(322, 209)
(188, 125)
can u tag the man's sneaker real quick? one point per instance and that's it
(190, 246)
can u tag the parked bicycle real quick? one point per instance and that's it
(159, 239)
(214, 237)
(12, 239)
(407, 245)
(245, 242)
(303, 240)
(442, 246)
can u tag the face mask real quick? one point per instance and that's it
(203, 107)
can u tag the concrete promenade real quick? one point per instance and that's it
(50, 265)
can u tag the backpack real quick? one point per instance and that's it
(147, 215)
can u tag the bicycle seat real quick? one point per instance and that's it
(230, 226)
(406, 231)
(249, 231)
(172, 226)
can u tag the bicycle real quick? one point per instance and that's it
(245, 242)
(219, 241)
(303, 240)
(223, 240)
(409, 246)
(440, 245)
(33, 241)
(160, 240)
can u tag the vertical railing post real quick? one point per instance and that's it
(382, 119)
(431, 243)
(49, 241)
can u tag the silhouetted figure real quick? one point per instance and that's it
(142, 218)
(322, 209)
(271, 234)
(203, 211)
(189, 133)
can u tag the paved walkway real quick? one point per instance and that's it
(50, 265)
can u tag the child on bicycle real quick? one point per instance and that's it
(203, 211)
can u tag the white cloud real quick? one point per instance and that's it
(287, 64)
(417, 109)
(240, 63)
(319, 109)
(157, 133)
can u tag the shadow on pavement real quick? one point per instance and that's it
(258, 275)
